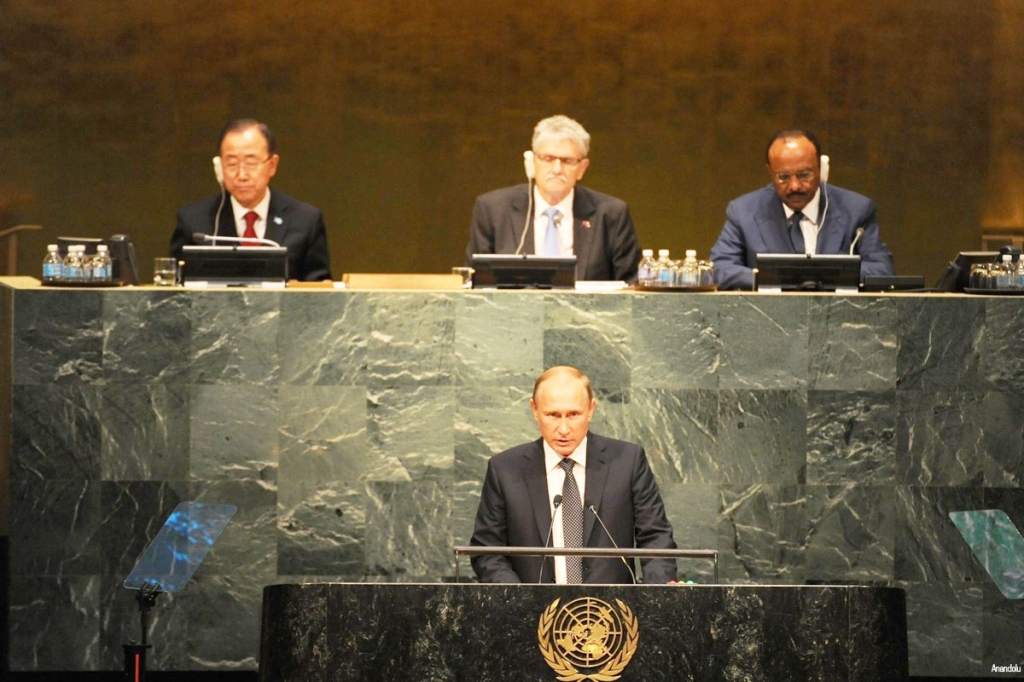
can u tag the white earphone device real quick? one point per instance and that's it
(824, 168)
(530, 176)
(218, 170)
(528, 165)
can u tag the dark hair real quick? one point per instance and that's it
(791, 133)
(238, 125)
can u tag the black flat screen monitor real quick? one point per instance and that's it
(508, 271)
(235, 266)
(795, 272)
(957, 274)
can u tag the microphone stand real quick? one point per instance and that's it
(135, 653)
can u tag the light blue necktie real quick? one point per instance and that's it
(551, 247)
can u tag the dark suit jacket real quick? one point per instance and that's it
(606, 250)
(514, 512)
(291, 223)
(755, 223)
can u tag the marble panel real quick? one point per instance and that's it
(675, 341)
(940, 343)
(498, 339)
(323, 437)
(1002, 345)
(593, 334)
(145, 432)
(55, 525)
(940, 437)
(762, 533)
(852, 343)
(323, 338)
(764, 342)
(411, 340)
(58, 337)
(945, 620)
(233, 433)
(928, 545)
(762, 437)
(1002, 637)
(692, 509)
(409, 532)
(206, 604)
(147, 336)
(55, 432)
(235, 337)
(677, 428)
(489, 421)
(851, 437)
(321, 527)
(133, 514)
(851, 533)
(54, 623)
(413, 426)
(248, 546)
(1002, 424)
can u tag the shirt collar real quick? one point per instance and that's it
(564, 206)
(552, 458)
(261, 209)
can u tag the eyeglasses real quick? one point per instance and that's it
(249, 165)
(566, 160)
(803, 176)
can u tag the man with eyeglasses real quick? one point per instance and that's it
(565, 218)
(797, 213)
(248, 159)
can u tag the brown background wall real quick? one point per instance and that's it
(392, 116)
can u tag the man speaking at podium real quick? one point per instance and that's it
(553, 216)
(570, 488)
(797, 213)
(248, 160)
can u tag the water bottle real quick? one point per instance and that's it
(1020, 272)
(689, 275)
(665, 269)
(1006, 273)
(645, 271)
(74, 264)
(100, 265)
(53, 264)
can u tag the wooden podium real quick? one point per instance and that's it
(391, 632)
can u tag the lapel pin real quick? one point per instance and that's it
(586, 224)
(277, 220)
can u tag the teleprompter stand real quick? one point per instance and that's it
(167, 565)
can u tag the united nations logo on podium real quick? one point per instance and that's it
(587, 639)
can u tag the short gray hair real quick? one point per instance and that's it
(561, 127)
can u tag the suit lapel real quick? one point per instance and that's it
(520, 204)
(830, 238)
(583, 208)
(597, 474)
(226, 227)
(535, 479)
(771, 221)
(277, 218)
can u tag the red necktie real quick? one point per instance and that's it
(250, 230)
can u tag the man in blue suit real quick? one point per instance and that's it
(797, 213)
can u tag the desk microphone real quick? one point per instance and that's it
(856, 238)
(558, 503)
(202, 238)
(605, 528)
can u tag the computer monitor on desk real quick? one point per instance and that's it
(797, 272)
(509, 271)
(234, 266)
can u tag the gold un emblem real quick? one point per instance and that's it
(587, 639)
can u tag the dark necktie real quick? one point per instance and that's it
(250, 228)
(572, 523)
(796, 235)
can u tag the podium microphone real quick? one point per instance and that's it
(856, 238)
(605, 528)
(557, 503)
(202, 238)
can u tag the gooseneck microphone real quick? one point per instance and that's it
(614, 544)
(202, 238)
(557, 503)
(856, 238)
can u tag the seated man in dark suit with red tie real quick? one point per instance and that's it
(563, 218)
(570, 488)
(248, 159)
(797, 213)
